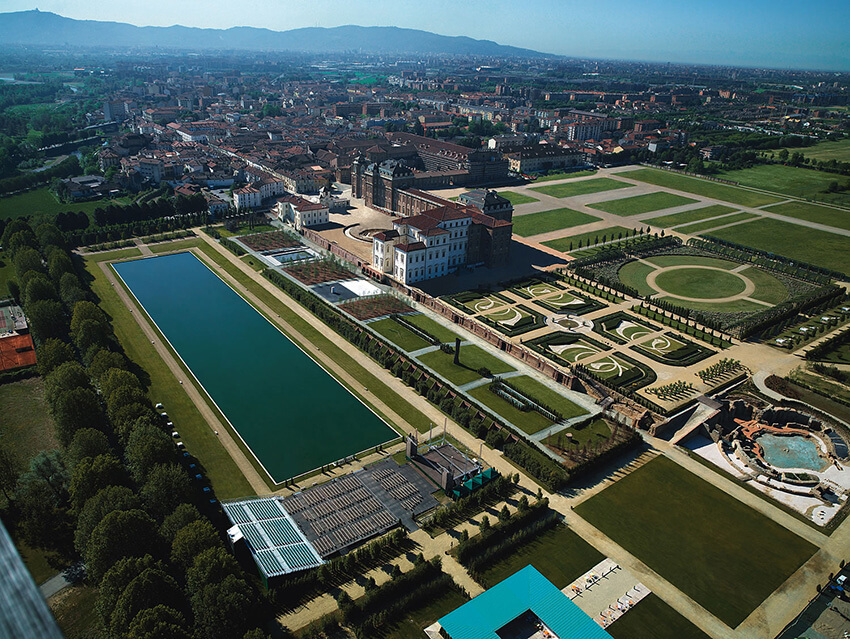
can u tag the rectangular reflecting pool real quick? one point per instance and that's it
(290, 412)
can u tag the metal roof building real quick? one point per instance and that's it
(515, 608)
(276, 543)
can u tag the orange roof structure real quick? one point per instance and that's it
(16, 351)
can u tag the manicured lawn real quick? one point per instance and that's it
(791, 240)
(643, 203)
(398, 334)
(813, 213)
(43, 202)
(737, 306)
(547, 221)
(415, 621)
(596, 432)
(434, 328)
(651, 618)
(253, 261)
(118, 254)
(245, 229)
(563, 243)
(726, 556)
(695, 260)
(790, 180)
(699, 227)
(686, 217)
(564, 176)
(768, 288)
(529, 422)
(177, 245)
(471, 359)
(634, 274)
(547, 396)
(583, 187)
(697, 186)
(559, 554)
(517, 198)
(6, 273)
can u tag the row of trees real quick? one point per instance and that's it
(114, 494)
(66, 168)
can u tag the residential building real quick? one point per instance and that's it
(300, 212)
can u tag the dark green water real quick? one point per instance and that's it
(290, 412)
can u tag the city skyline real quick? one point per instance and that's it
(761, 34)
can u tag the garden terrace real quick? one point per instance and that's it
(672, 350)
(566, 348)
(620, 327)
(535, 287)
(377, 306)
(570, 302)
(319, 272)
(619, 372)
(514, 320)
(473, 302)
(268, 241)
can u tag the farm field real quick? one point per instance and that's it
(699, 227)
(517, 198)
(724, 555)
(790, 180)
(472, 358)
(686, 217)
(563, 243)
(817, 213)
(398, 334)
(548, 221)
(723, 192)
(642, 203)
(571, 189)
(791, 240)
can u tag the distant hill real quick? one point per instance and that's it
(45, 28)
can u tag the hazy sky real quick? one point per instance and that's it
(775, 33)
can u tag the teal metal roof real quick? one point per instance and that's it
(504, 602)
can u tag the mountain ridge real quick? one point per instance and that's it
(46, 28)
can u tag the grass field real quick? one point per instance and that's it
(651, 618)
(813, 213)
(768, 288)
(75, 611)
(26, 427)
(253, 261)
(176, 245)
(559, 554)
(548, 396)
(596, 432)
(642, 203)
(471, 359)
(529, 422)
(517, 198)
(563, 243)
(245, 229)
(697, 186)
(687, 217)
(790, 240)
(693, 260)
(117, 254)
(411, 627)
(548, 221)
(434, 328)
(564, 176)
(789, 180)
(699, 227)
(570, 189)
(634, 274)
(825, 151)
(6, 273)
(398, 334)
(723, 554)
(43, 202)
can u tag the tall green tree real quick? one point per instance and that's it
(93, 474)
(105, 501)
(192, 540)
(53, 353)
(122, 533)
(167, 487)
